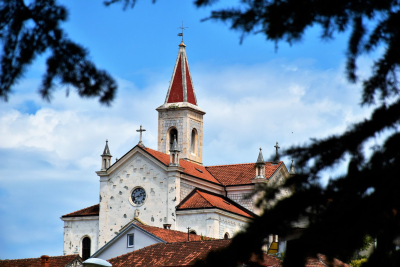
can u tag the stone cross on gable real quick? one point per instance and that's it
(141, 130)
(276, 160)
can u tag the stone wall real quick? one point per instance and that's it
(184, 120)
(242, 200)
(185, 190)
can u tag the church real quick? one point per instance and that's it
(169, 187)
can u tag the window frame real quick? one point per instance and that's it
(127, 240)
(86, 247)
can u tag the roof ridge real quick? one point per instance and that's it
(198, 191)
(231, 202)
(223, 165)
(38, 258)
(75, 212)
(164, 229)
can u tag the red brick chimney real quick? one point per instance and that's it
(45, 261)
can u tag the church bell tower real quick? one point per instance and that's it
(180, 116)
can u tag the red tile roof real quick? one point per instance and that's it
(169, 236)
(322, 261)
(186, 253)
(200, 199)
(169, 254)
(238, 174)
(189, 167)
(179, 254)
(59, 261)
(90, 211)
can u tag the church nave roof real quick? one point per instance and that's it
(240, 174)
(190, 168)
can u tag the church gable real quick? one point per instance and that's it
(137, 186)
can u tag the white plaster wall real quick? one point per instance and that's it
(197, 222)
(115, 208)
(120, 247)
(211, 224)
(230, 226)
(75, 229)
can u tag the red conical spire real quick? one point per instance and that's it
(181, 86)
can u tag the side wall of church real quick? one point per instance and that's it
(116, 208)
(230, 226)
(75, 229)
(210, 224)
(196, 222)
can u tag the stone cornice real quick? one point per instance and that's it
(200, 183)
(80, 218)
(213, 210)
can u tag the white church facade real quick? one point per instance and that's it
(169, 187)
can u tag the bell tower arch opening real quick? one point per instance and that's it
(193, 142)
(172, 132)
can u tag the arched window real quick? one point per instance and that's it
(172, 133)
(85, 248)
(226, 235)
(193, 232)
(193, 141)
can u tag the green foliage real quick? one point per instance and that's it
(29, 30)
(357, 263)
(204, 238)
(173, 106)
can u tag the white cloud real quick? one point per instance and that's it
(247, 107)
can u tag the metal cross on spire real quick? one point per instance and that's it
(141, 130)
(182, 28)
(276, 160)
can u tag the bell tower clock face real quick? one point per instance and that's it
(138, 196)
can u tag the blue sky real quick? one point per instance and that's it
(253, 96)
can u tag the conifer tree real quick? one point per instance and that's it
(30, 30)
(366, 200)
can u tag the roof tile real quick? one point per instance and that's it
(169, 235)
(170, 254)
(239, 174)
(90, 211)
(199, 199)
(58, 261)
(190, 168)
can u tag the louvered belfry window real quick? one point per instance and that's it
(85, 248)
